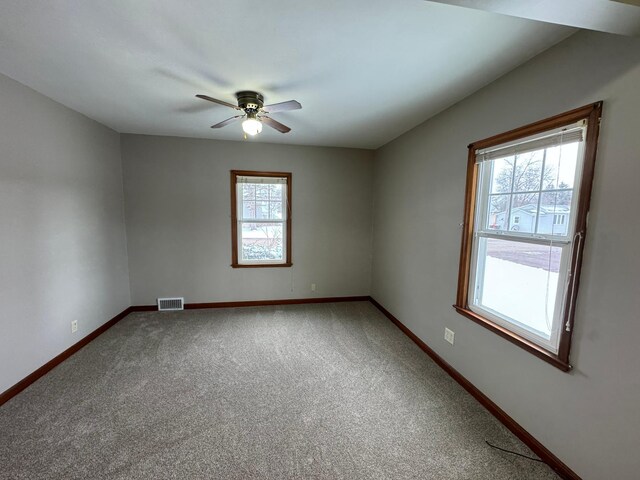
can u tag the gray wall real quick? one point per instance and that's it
(589, 417)
(177, 194)
(62, 232)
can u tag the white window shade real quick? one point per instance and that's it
(557, 139)
(264, 180)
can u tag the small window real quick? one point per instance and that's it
(525, 221)
(260, 219)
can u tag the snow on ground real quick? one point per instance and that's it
(520, 292)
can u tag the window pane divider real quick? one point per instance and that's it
(541, 240)
(252, 220)
(544, 166)
(548, 190)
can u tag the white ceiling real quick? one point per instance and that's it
(365, 71)
(612, 16)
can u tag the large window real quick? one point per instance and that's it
(260, 219)
(525, 223)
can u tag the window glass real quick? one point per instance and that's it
(502, 175)
(261, 236)
(518, 281)
(497, 212)
(523, 231)
(528, 171)
(262, 241)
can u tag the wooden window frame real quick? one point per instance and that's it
(234, 219)
(592, 114)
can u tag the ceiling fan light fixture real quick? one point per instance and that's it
(252, 126)
(252, 104)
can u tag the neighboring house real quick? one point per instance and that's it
(553, 219)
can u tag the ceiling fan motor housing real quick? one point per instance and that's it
(250, 101)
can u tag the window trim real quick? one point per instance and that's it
(592, 114)
(234, 219)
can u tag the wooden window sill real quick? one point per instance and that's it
(516, 339)
(260, 265)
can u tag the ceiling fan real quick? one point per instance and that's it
(255, 112)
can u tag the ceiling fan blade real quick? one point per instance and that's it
(227, 121)
(274, 124)
(282, 106)
(219, 102)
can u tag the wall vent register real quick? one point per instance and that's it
(170, 304)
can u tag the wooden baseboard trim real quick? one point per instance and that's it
(58, 359)
(543, 452)
(257, 303)
(28, 380)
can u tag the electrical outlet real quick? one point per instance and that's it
(74, 326)
(448, 335)
(313, 287)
